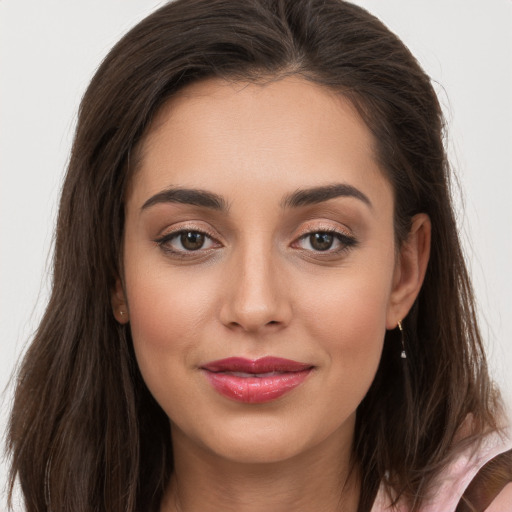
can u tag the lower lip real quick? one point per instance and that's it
(256, 390)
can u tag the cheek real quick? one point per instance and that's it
(347, 319)
(165, 303)
(354, 325)
(167, 310)
(352, 305)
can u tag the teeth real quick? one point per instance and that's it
(258, 375)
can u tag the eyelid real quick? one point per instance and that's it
(344, 235)
(345, 238)
(169, 234)
(323, 227)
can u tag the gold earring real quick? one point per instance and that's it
(403, 355)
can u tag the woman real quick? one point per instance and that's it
(252, 304)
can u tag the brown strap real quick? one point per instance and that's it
(487, 484)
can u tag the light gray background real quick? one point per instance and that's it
(49, 50)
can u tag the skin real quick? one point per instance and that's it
(502, 501)
(260, 287)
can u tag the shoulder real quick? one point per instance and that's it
(503, 502)
(491, 487)
(475, 476)
(480, 474)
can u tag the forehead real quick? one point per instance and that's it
(287, 134)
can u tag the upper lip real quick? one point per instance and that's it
(263, 365)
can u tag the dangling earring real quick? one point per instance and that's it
(403, 355)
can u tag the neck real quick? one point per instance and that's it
(318, 480)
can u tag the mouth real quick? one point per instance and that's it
(255, 381)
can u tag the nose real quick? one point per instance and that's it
(256, 296)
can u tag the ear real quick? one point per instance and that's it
(410, 269)
(119, 304)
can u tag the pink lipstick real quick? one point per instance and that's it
(255, 381)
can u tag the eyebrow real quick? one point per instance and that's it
(190, 196)
(315, 195)
(302, 197)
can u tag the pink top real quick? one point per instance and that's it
(453, 480)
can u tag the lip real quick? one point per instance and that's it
(255, 381)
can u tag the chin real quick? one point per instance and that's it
(263, 439)
(270, 450)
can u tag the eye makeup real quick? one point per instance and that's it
(188, 241)
(191, 242)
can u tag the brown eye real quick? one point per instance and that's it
(330, 242)
(192, 240)
(186, 241)
(321, 241)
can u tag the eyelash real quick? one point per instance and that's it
(346, 242)
(164, 241)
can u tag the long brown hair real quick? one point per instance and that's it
(85, 433)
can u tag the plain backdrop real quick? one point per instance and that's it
(50, 49)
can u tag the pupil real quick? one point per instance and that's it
(192, 241)
(321, 241)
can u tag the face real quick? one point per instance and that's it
(260, 268)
